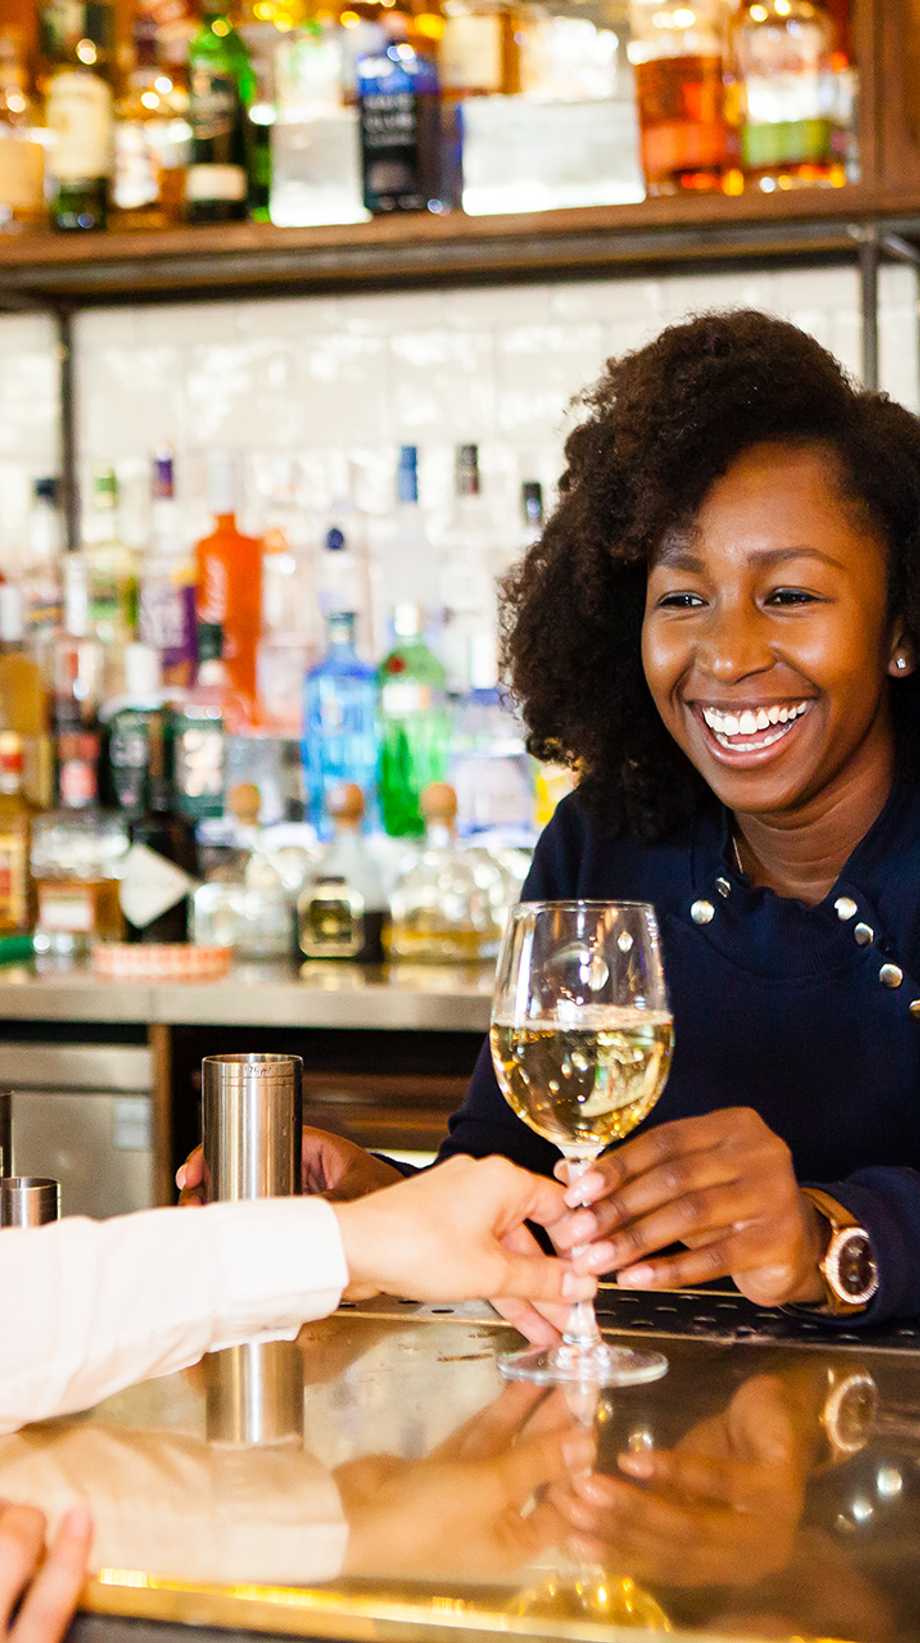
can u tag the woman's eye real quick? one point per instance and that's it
(680, 601)
(791, 596)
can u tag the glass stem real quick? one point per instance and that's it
(581, 1333)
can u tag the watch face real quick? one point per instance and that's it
(851, 1271)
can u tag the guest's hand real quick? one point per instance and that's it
(331, 1166)
(724, 1186)
(445, 1234)
(48, 1590)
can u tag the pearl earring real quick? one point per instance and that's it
(900, 663)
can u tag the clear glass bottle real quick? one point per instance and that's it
(77, 861)
(111, 567)
(22, 152)
(677, 53)
(166, 605)
(341, 727)
(42, 579)
(443, 909)
(221, 87)
(341, 912)
(466, 556)
(152, 136)
(783, 102)
(316, 159)
(415, 728)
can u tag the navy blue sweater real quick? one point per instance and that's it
(777, 1006)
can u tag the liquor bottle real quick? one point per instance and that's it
(221, 87)
(341, 735)
(401, 140)
(341, 912)
(15, 837)
(678, 59)
(77, 39)
(196, 731)
(76, 860)
(531, 512)
(783, 101)
(125, 721)
(22, 154)
(166, 605)
(316, 161)
(151, 138)
(343, 570)
(265, 906)
(479, 50)
(489, 768)
(442, 909)
(228, 569)
(161, 868)
(287, 645)
(414, 725)
(41, 580)
(23, 693)
(77, 31)
(466, 581)
(111, 567)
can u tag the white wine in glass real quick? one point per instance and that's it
(581, 1042)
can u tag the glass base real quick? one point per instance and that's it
(602, 1365)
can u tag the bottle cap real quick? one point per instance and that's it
(345, 803)
(105, 488)
(12, 625)
(46, 490)
(142, 672)
(244, 802)
(164, 477)
(407, 474)
(222, 482)
(335, 539)
(439, 803)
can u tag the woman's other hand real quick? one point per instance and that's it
(723, 1185)
(331, 1166)
(48, 1590)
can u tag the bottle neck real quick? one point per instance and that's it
(439, 835)
(341, 631)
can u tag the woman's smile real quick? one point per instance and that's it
(749, 733)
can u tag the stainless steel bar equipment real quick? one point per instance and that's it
(252, 1116)
(29, 1201)
(255, 1394)
(6, 1133)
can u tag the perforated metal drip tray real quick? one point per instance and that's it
(723, 1315)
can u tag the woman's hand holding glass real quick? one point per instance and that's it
(721, 1184)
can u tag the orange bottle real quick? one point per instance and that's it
(229, 581)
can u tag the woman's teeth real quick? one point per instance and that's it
(729, 728)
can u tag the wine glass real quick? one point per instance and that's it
(581, 1040)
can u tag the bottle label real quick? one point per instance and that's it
(150, 886)
(332, 922)
(470, 54)
(79, 115)
(199, 767)
(167, 622)
(66, 908)
(212, 592)
(215, 182)
(14, 880)
(403, 698)
(77, 783)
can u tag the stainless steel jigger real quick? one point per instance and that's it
(29, 1201)
(6, 1133)
(251, 1121)
(252, 1116)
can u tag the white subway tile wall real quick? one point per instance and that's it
(308, 388)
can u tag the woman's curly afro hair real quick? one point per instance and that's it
(661, 425)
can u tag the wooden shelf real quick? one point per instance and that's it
(45, 268)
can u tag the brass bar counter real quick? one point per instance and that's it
(408, 1493)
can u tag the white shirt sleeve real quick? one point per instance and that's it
(87, 1307)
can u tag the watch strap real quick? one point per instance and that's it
(839, 1219)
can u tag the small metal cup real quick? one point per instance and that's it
(255, 1395)
(251, 1120)
(29, 1201)
(6, 1133)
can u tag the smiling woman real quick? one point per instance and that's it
(736, 553)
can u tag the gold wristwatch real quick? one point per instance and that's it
(848, 1267)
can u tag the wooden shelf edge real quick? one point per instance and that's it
(48, 268)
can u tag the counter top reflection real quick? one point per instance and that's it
(436, 998)
(406, 1493)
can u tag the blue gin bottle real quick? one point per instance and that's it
(341, 735)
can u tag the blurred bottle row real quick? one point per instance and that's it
(156, 705)
(293, 112)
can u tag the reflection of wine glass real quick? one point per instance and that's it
(581, 1041)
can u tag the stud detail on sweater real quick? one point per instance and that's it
(863, 935)
(914, 1008)
(890, 975)
(702, 912)
(845, 908)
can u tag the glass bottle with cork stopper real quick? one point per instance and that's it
(341, 913)
(443, 909)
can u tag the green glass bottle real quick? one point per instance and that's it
(415, 726)
(221, 87)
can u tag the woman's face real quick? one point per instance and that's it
(766, 642)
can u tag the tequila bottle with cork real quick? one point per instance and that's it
(678, 56)
(229, 581)
(341, 912)
(443, 909)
